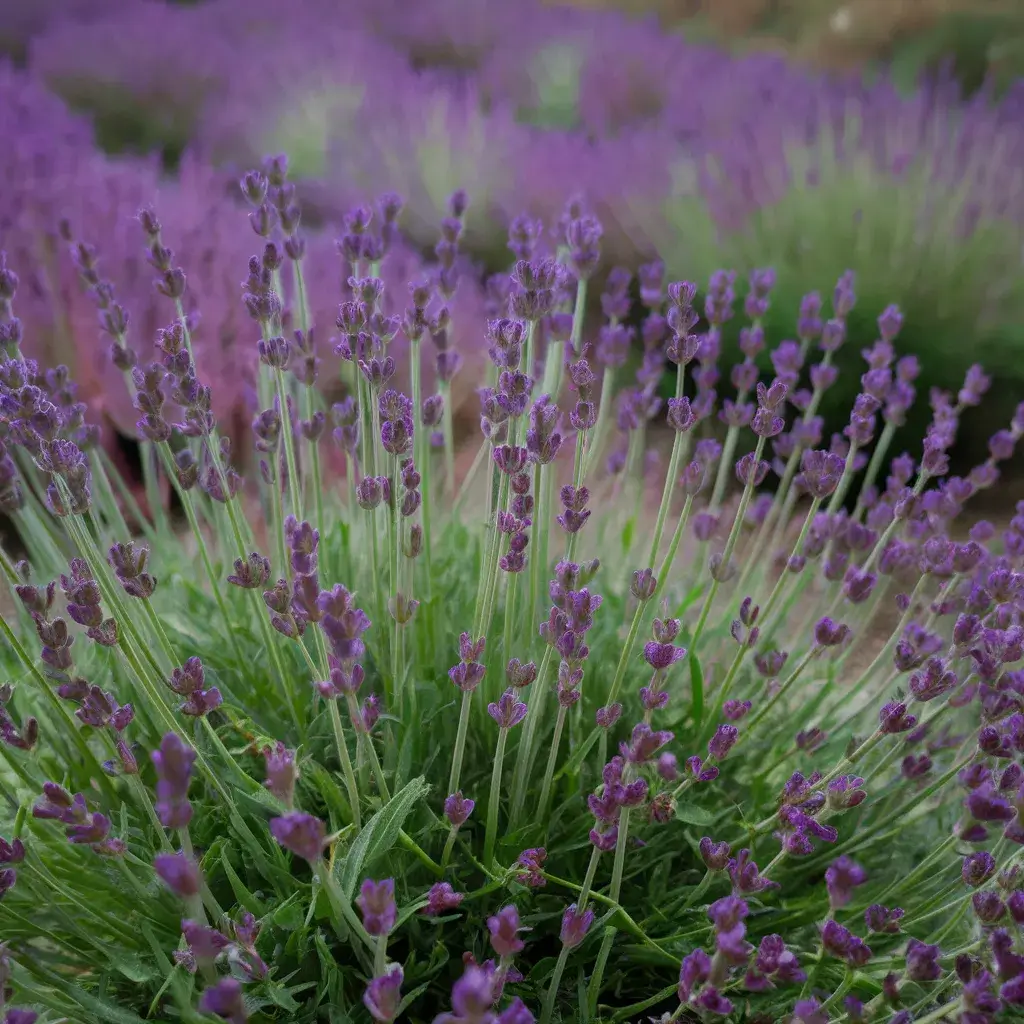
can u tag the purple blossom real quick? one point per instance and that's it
(923, 961)
(661, 656)
(179, 872)
(883, 919)
(173, 763)
(224, 999)
(978, 868)
(504, 929)
(383, 995)
(644, 743)
(282, 772)
(841, 878)
(376, 902)
(575, 925)
(841, 943)
(301, 834)
(509, 711)
(457, 808)
(442, 898)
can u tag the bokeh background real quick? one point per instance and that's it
(810, 136)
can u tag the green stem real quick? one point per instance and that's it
(294, 485)
(380, 956)
(594, 986)
(449, 438)
(535, 701)
(540, 528)
(679, 443)
(877, 458)
(556, 978)
(346, 762)
(601, 426)
(460, 742)
(495, 797)
(730, 544)
(673, 547)
(627, 651)
(510, 610)
(185, 498)
(780, 583)
(549, 771)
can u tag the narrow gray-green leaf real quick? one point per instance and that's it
(379, 834)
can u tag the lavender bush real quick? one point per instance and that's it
(729, 732)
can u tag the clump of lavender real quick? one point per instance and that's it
(545, 732)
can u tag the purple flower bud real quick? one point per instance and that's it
(830, 634)
(301, 834)
(644, 743)
(923, 961)
(750, 471)
(224, 999)
(988, 907)
(881, 919)
(692, 478)
(607, 716)
(575, 925)
(845, 792)
(668, 766)
(723, 741)
(662, 655)
(841, 878)
(509, 711)
(821, 472)
(681, 416)
(978, 868)
(504, 931)
(735, 710)
(644, 584)
(458, 808)
(179, 873)
(173, 763)
(383, 995)
(441, 898)
(376, 902)
(715, 855)
(282, 772)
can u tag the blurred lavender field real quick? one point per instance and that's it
(687, 152)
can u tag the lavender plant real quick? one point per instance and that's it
(574, 735)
